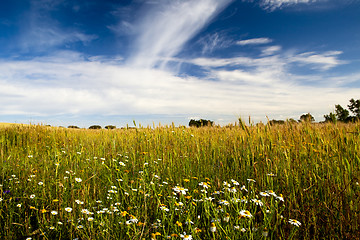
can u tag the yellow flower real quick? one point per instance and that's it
(124, 213)
(186, 180)
(212, 227)
(43, 211)
(197, 230)
(178, 223)
(55, 200)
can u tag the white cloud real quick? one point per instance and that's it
(37, 88)
(254, 41)
(275, 4)
(165, 29)
(324, 61)
(270, 50)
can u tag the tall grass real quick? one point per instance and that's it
(236, 182)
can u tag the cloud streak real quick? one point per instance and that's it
(168, 27)
(254, 41)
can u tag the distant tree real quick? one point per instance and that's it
(331, 117)
(341, 113)
(354, 107)
(110, 127)
(95, 127)
(276, 122)
(72, 126)
(307, 118)
(200, 123)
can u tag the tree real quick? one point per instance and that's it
(341, 113)
(95, 127)
(307, 118)
(200, 123)
(110, 127)
(354, 107)
(331, 117)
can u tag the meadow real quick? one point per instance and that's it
(291, 181)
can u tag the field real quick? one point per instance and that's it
(292, 181)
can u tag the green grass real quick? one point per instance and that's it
(174, 183)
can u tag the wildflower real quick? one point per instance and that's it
(186, 180)
(271, 174)
(204, 185)
(90, 219)
(51, 228)
(54, 212)
(80, 227)
(233, 190)
(226, 184)
(79, 202)
(153, 235)
(264, 194)
(280, 197)
(178, 189)
(245, 213)
(295, 222)
(257, 202)
(237, 227)
(78, 180)
(178, 223)
(124, 213)
(55, 200)
(68, 209)
(186, 237)
(41, 183)
(224, 202)
(32, 196)
(164, 208)
(197, 230)
(43, 210)
(212, 227)
(227, 217)
(265, 232)
(243, 188)
(235, 182)
(85, 211)
(271, 192)
(122, 164)
(19, 205)
(251, 180)
(243, 230)
(132, 220)
(60, 223)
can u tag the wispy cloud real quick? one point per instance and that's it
(276, 4)
(323, 61)
(254, 41)
(165, 29)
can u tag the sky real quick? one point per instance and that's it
(157, 62)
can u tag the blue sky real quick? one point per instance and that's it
(74, 62)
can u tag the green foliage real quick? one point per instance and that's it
(354, 107)
(343, 115)
(95, 127)
(307, 118)
(200, 123)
